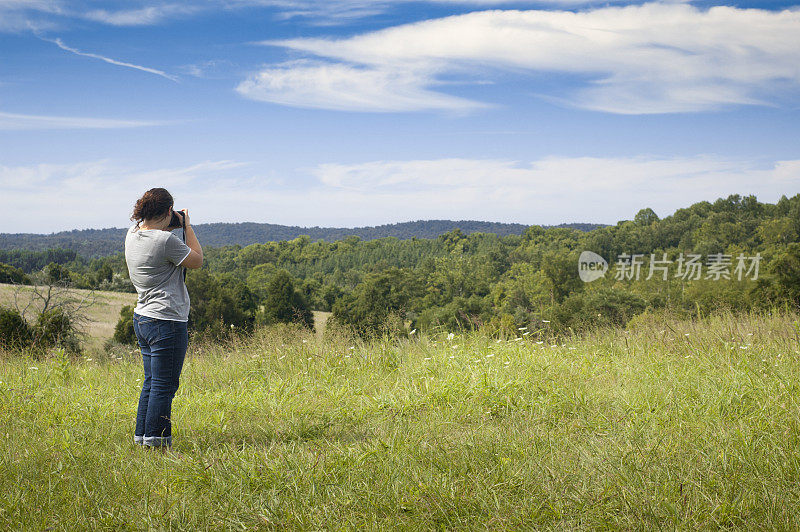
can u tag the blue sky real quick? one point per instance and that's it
(352, 113)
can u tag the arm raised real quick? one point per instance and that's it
(194, 259)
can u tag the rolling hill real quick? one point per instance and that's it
(101, 242)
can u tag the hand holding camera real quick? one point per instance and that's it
(179, 219)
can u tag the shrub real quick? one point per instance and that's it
(55, 328)
(15, 333)
(123, 331)
(602, 308)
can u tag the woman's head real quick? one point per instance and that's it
(154, 204)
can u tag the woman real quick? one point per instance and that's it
(156, 260)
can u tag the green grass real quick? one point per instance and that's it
(670, 424)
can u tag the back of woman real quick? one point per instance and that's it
(156, 260)
(153, 259)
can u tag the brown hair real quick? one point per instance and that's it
(153, 204)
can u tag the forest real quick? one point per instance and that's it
(735, 253)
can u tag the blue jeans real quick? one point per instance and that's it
(163, 344)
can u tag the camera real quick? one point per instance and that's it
(178, 220)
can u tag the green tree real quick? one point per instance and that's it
(104, 274)
(645, 217)
(219, 304)
(56, 274)
(283, 303)
(785, 269)
(11, 275)
(561, 269)
(379, 301)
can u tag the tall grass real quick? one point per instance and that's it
(666, 424)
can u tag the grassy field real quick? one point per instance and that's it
(667, 425)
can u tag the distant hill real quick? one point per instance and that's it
(101, 242)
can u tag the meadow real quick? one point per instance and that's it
(667, 424)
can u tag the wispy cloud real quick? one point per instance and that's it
(17, 122)
(15, 15)
(211, 68)
(143, 16)
(22, 15)
(60, 44)
(332, 12)
(348, 88)
(653, 58)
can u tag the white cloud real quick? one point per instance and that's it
(15, 14)
(23, 15)
(550, 190)
(326, 12)
(12, 121)
(50, 197)
(75, 51)
(348, 88)
(652, 58)
(95, 194)
(142, 16)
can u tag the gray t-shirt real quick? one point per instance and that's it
(153, 257)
